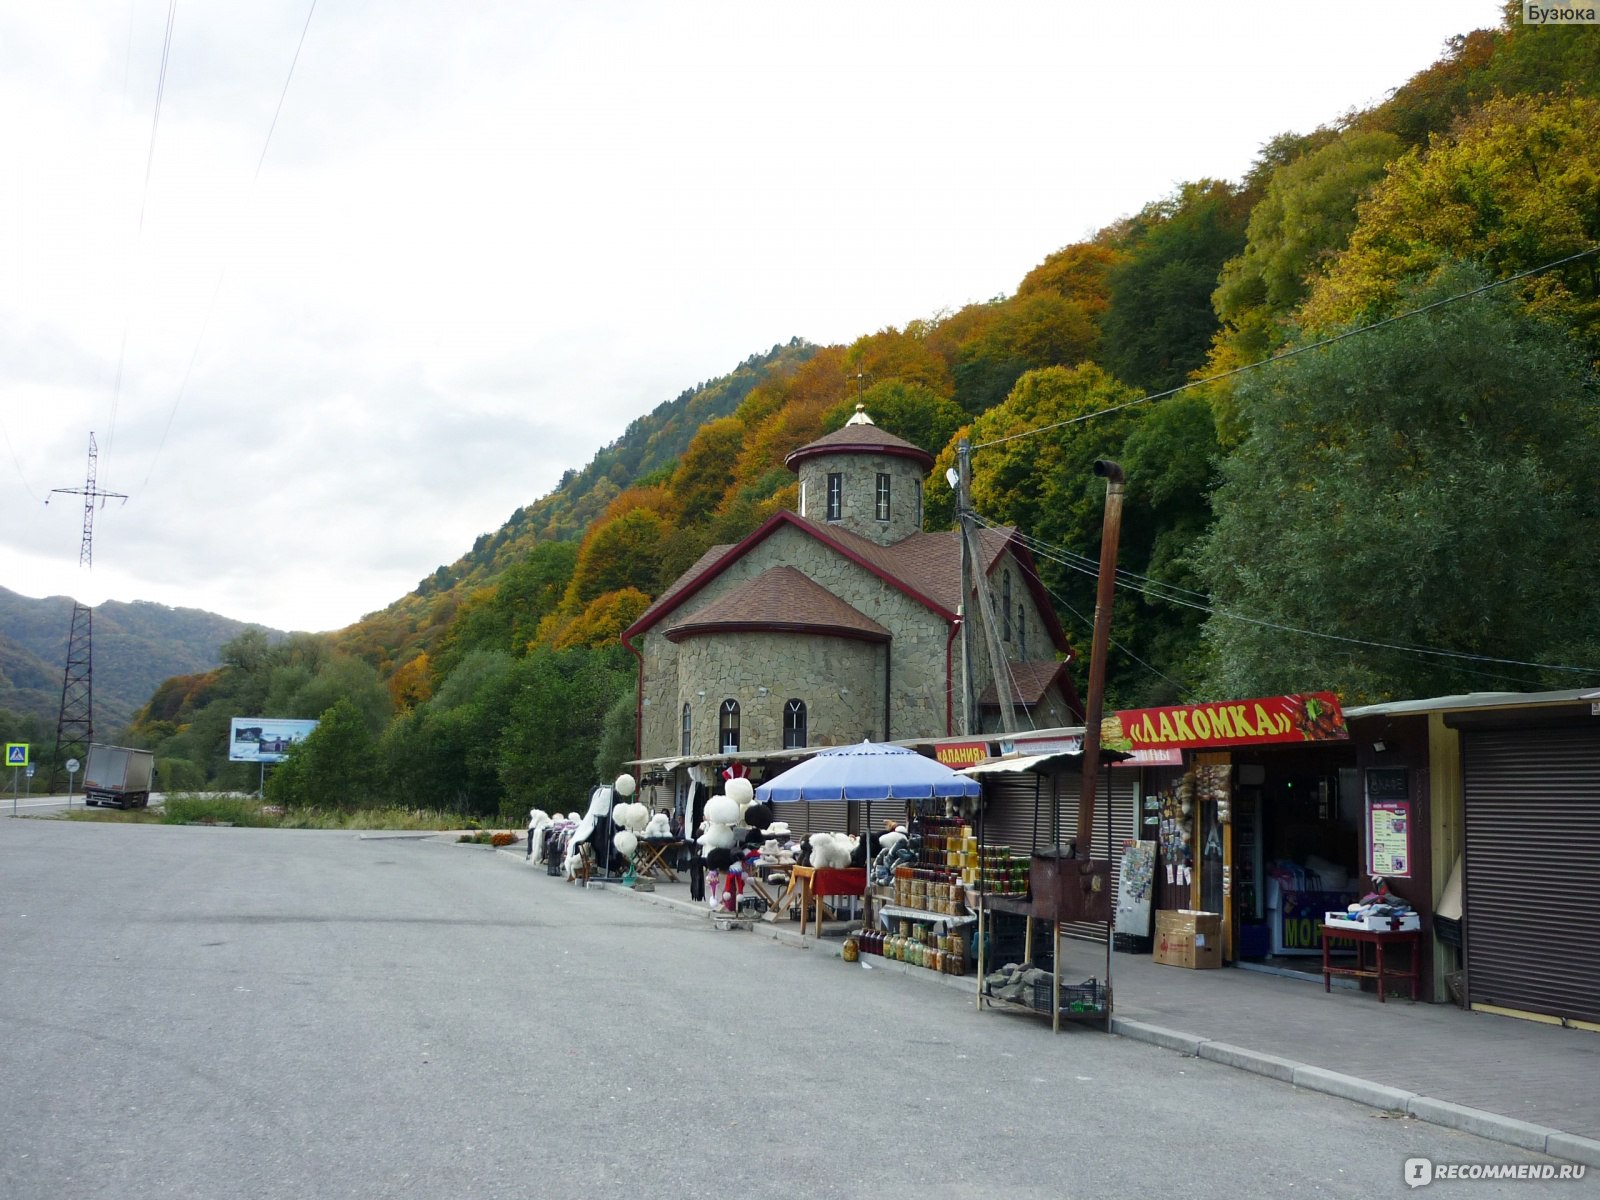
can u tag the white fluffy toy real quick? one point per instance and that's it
(831, 850)
(660, 826)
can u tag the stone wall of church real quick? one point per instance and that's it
(840, 681)
(917, 667)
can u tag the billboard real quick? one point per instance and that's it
(264, 739)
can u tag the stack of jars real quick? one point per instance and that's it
(948, 845)
(918, 947)
(1003, 873)
(929, 890)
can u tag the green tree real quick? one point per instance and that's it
(333, 767)
(1430, 483)
(1160, 322)
(556, 715)
(1517, 186)
(1307, 212)
(624, 553)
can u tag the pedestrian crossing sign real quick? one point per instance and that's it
(16, 754)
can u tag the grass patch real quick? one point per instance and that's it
(113, 816)
(229, 808)
(368, 818)
(213, 808)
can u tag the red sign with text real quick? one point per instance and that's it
(1309, 717)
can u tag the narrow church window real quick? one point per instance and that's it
(728, 726)
(883, 496)
(1005, 601)
(916, 500)
(835, 496)
(802, 497)
(1022, 632)
(794, 725)
(688, 726)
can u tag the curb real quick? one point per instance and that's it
(1479, 1122)
(1492, 1126)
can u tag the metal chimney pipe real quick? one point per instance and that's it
(1110, 535)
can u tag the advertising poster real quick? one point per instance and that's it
(1389, 836)
(264, 739)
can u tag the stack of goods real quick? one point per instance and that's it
(929, 890)
(1002, 873)
(1379, 909)
(918, 947)
(948, 845)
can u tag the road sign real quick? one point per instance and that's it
(72, 766)
(28, 771)
(16, 754)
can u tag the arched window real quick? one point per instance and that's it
(688, 727)
(1005, 602)
(728, 727)
(794, 724)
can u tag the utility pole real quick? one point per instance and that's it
(963, 482)
(75, 724)
(1105, 592)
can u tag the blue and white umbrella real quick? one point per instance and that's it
(868, 771)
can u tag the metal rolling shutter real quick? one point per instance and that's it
(822, 816)
(1118, 797)
(1009, 820)
(1008, 814)
(1532, 804)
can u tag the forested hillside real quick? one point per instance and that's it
(1355, 460)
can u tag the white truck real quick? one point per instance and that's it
(118, 777)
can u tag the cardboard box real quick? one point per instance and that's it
(1186, 938)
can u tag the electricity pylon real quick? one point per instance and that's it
(75, 725)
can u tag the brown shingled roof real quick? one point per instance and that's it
(860, 439)
(782, 599)
(1029, 683)
(925, 566)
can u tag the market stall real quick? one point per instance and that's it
(1045, 881)
(867, 773)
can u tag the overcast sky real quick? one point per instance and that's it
(486, 236)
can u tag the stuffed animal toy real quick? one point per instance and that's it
(894, 850)
(660, 826)
(757, 817)
(831, 850)
(627, 844)
(724, 879)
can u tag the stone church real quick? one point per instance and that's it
(840, 622)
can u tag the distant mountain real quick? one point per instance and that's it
(136, 647)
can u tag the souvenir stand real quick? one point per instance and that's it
(866, 773)
(1043, 883)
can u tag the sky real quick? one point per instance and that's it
(324, 335)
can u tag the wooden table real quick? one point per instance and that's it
(652, 856)
(1381, 939)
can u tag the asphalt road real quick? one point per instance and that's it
(210, 1013)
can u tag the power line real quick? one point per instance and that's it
(1288, 354)
(1067, 559)
(216, 290)
(281, 95)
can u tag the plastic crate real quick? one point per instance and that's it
(1077, 999)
